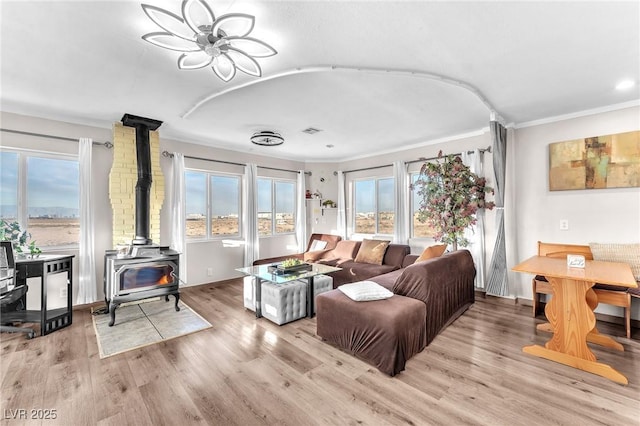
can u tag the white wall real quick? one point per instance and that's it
(596, 215)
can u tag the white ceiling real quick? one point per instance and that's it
(360, 71)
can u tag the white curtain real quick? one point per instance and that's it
(342, 207)
(178, 214)
(87, 289)
(401, 203)
(498, 280)
(475, 234)
(301, 214)
(252, 242)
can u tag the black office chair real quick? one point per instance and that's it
(12, 297)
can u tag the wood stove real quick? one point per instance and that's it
(146, 270)
(134, 276)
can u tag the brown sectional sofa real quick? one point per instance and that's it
(332, 241)
(343, 256)
(428, 296)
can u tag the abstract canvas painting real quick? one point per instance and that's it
(611, 161)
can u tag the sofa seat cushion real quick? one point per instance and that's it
(610, 287)
(353, 271)
(384, 333)
(387, 280)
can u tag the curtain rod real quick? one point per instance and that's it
(107, 144)
(170, 155)
(482, 150)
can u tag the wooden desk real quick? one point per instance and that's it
(570, 312)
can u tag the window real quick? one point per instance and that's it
(225, 205)
(418, 229)
(196, 203)
(276, 206)
(374, 210)
(41, 192)
(212, 205)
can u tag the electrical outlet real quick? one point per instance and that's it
(209, 272)
(63, 292)
(564, 225)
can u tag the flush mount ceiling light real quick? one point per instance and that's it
(267, 138)
(204, 41)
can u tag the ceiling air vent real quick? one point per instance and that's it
(311, 130)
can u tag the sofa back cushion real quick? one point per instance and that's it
(423, 279)
(345, 250)
(372, 251)
(395, 255)
(623, 253)
(330, 239)
(409, 259)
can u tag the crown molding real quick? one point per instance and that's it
(578, 114)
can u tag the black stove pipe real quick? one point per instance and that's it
(143, 185)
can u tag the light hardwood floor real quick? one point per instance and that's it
(252, 372)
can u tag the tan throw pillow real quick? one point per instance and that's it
(432, 251)
(622, 253)
(372, 251)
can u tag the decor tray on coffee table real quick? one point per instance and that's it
(279, 269)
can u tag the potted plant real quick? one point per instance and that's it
(450, 194)
(11, 231)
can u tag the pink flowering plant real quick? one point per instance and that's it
(450, 194)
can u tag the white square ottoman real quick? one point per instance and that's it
(283, 303)
(321, 283)
(248, 293)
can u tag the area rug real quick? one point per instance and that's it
(145, 323)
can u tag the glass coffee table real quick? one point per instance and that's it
(264, 273)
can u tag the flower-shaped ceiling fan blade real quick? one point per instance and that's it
(224, 67)
(194, 60)
(244, 62)
(197, 14)
(169, 22)
(252, 46)
(234, 24)
(171, 42)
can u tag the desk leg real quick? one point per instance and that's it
(570, 315)
(593, 337)
(593, 367)
(258, 292)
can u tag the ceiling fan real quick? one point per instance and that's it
(205, 40)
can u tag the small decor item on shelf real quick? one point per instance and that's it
(329, 204)
(450, 194)
(317, 194)
(307, 194)
(11, 231)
